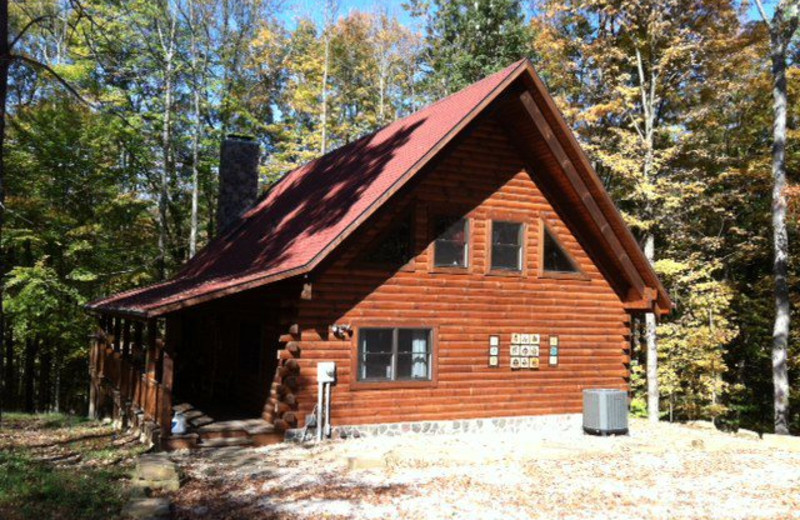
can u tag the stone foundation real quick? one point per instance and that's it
(561, 422)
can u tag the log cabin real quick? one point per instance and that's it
(462, 266)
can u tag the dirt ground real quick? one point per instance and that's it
(65, 467)
(663, 471)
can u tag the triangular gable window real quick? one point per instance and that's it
(556, 260)
(393, 249)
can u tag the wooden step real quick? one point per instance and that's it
(201, 421)
(222, 434)
(193, 414)
(265, 439)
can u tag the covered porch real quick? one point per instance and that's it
(226, 365)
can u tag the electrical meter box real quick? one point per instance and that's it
(326, 372)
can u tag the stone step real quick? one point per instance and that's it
(226, 442)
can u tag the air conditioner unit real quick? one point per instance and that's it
(605, 412)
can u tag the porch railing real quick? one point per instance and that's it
(130, 380)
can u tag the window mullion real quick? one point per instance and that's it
(394, 353)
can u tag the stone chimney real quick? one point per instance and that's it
(238, 179)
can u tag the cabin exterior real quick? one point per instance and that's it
(464, 263)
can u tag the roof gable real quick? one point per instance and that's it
(315, 207)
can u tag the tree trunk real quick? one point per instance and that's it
(166, 141)
(652, 346)
(5, 61)
(31, 346)
(195, 132)
(780, 333)
(647, 90)
(329, 17)
(10, 380)
(324, 116)
(45, 371)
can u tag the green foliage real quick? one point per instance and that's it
(692, 342)
(671, 100)
(470, 39)
(31, 487)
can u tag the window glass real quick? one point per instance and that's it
(413, 354)
(555, 258)
(390, 354)
(394, 249)
(376, 353)
(507, 246)
(452, 237)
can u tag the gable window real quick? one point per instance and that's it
(507, 246)
(394, 354)
(394, 248)
(451, 247)
(556, 260)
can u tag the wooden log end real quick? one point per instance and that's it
(291, 382)
(290, 418)
(293, 347)
(291, 365)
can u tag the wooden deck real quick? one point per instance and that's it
(203, 431)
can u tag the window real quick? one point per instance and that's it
(394, 354)
(555, 258)
(395, 248)
(507, 246)
(452, 242)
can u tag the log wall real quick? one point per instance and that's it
(482, 177)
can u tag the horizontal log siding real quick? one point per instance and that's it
(485, 176)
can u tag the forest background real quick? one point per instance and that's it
(115, 111)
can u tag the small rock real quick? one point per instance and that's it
(147, 508)
(747, 434)
(365, 463)
(152, 468)
(704, 425)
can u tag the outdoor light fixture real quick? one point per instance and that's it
(342, 331)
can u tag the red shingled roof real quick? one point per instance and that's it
(314, 207)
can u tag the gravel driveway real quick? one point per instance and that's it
(663, 471)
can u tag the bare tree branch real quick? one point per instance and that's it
(30, 24)
(42, 66)
(762, 12)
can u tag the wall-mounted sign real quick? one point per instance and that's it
(494, 351)
(553, 350)
(524, 339)
(524, 351)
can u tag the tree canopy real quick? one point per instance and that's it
(670, 98)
